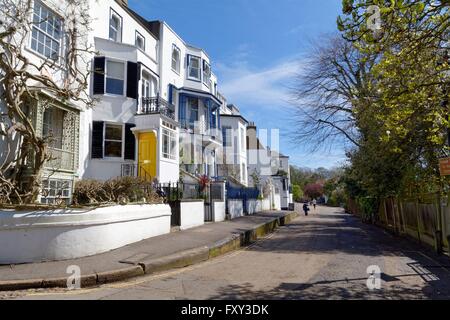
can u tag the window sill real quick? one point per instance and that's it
(194, 79)
(57, 64)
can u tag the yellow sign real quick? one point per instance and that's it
(444, 166)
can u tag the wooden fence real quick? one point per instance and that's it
(425, 218)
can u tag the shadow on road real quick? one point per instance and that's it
(340, 234)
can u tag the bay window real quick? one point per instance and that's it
(194, 68)
(169, 144)
(206, 73)
(115, 77)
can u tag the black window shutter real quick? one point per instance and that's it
(130, 142)
(132, 80)
(97, 140)
(99, 75)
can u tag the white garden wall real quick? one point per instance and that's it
(254, 206)
(219, 211)
(192, 214)
(35, 236)
(265, 205)
(235, 208)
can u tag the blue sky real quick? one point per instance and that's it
(256, 47)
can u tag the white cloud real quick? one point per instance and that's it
(265, 87)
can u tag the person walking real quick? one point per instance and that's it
(306, 208)
(314, 204)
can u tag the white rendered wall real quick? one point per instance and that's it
(254, 206)
(192, 214)
(68, 234)
(219, 211)
(235, 208)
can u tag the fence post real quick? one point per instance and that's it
(438, 234)
(418, 220)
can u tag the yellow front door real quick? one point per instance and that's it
(147, 155)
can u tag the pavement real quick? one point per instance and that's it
(174, 250)
(322, 256)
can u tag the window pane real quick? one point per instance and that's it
(114, 86)
(113, 149)
(113, 132)
(115, 69)
(195, 63)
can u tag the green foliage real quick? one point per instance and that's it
(368, 208)
(401, 117)
(297, 193)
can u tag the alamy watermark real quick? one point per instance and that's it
(74, 280)
(374, 280)
(374, 21)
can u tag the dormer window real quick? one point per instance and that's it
(115, 27)
(194, 71)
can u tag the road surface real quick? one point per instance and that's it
(322, 256)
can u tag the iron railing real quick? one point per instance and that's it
(135, 170)
(157, 105)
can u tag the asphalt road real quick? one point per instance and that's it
(322, 256)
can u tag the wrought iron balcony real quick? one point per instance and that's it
(157, 105)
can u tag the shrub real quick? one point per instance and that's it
(118, 190)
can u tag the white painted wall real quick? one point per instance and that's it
(235, 208)
(254, 206)
(192, 214)
(67, 234)
(265, 205)
(219, 211)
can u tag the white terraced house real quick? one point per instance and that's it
(234, 136)
(158, 111)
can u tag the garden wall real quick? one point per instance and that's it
(35, 236)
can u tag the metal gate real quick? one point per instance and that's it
(209, 214)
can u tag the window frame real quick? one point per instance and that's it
(47, 186)
(112, 12)
(189, 65)
(122, 141)
(172, 138)
(60, 42)
(124, 77)
(227, 132)
(208, 78)
(136, 36)
(175, 48)
(60, 139)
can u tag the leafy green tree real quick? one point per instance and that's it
(297, 193)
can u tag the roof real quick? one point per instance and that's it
(233, 116)
(144, 22)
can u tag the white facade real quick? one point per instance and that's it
(157, 109)
(271, 167)
(234, 135)
(131, 46)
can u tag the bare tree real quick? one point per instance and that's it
(63, 75)
(332, 80)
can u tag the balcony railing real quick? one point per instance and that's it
(157, 105)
